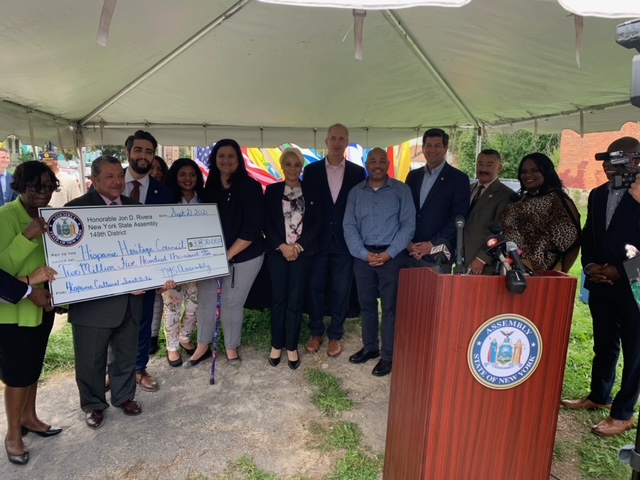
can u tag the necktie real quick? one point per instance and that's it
(135, 193)
(476, 197)
(114, 203)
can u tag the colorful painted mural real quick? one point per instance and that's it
(264, 163)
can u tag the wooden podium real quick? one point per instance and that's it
(444, 424)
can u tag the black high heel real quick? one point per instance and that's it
(294, 364)
(17, 459)
(49, 433)
(274, 361)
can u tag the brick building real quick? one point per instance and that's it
(578, 168)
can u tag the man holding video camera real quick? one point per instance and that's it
(613, 221)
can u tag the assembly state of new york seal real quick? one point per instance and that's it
(505, 351)
(65, 228)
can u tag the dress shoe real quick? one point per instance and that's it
(174, 363)
(362, 356)
(22, 459)
(382, 368)
(130, 407)
(153, 345)
(610, 427)
(146, 381)
(584, 404)
(335, 348)
(193, 363)
(294, 364)
(48, 433)
(190, 351)
(313, 344)
(94, 419)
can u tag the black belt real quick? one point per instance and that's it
(376, 248)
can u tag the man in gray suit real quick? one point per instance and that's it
(489, 197)
(113, 320)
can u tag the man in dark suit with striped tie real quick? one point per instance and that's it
(112, 321)
(141, 187)
(489, 197)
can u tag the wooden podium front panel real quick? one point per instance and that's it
(443, 423)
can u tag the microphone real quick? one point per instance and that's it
(440, 253)
(459, 268)
(512, 250)
(516, 282)
(494, 247)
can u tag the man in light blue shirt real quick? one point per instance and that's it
(379, 223)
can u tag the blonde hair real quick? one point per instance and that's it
(291, 151)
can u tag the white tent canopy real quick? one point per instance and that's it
(193, 72)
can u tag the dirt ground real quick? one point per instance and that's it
(189, 427)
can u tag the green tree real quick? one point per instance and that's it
(512, 148)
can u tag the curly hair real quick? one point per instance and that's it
(29, 175)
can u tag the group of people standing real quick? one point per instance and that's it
(322, 226)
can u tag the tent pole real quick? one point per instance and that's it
(173, 54)
(424, 59)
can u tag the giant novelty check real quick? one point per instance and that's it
(103, 251)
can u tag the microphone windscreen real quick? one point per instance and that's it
(459, 221)
(495, 228)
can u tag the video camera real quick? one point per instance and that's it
(624, 177)
(628, 35)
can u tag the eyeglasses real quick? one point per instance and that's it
(42, 188)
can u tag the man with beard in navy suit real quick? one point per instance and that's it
(141, 187)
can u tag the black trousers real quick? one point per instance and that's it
(288, 289)
(335, 266)
(616, 323)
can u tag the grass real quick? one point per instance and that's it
(328, 397)
(59, 356)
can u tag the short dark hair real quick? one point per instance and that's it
(214, 172)
(436, 132)
(140, 135)
(30, 174)
(490, 151)
(171, 180)
(96, 165)
(545, 165)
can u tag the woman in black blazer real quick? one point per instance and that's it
(293, 221)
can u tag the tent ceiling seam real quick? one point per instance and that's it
(165, 60)
(426, 62)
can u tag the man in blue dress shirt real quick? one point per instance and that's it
(379, 223)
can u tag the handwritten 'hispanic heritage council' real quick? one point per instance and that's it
(98, 252)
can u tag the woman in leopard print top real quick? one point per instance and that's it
(543, 221)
